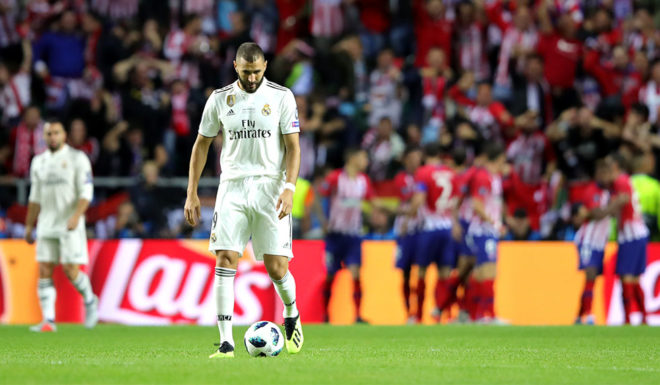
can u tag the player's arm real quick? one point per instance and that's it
(480, 210)
(192, 208)
(84, 188)
(612, 207)
(290, 129)
(34, 204)
(209, 128)
(292, 160)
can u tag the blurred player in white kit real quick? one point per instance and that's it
(61, 190)
(258, 121)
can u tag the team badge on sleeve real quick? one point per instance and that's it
(231, 100)
(266, 110)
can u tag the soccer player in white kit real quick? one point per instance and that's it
(260, 160)
(61, 190)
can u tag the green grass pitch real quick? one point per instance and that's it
(112, 354)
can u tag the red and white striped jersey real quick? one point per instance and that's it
(594, 234)
(437, 181)
(487, 188)
(176, 45)
(327, 18)
(116, 9)
(405, 188)
(15, 95)
(346, 197)
(630, 223)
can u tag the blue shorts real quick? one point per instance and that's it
(484, 247)
(435, 246)
(405, 250)
(631, 257)
(342, 249)
(462, 247)
(590, 257)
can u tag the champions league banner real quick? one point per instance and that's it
(166, 282)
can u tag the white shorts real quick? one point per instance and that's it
(71, 248)
(246, 208)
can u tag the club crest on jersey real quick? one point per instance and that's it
(63, 164)
(213, 237)
(231, 100)
(266, 110)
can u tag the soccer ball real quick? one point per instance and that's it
(263, 339)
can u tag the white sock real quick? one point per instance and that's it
(224, 302)
(46, 292)
(286, 288)
(81, 283)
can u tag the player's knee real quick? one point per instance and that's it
(46, 269)
(227, 259)
(276, 266)
(71, 271)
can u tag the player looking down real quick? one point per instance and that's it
(260, 159)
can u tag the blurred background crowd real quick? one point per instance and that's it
(560, 83)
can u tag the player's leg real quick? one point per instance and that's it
(229, 235)
(486, 261)
(465, 266)
(73, 249)
(80, 281)
(403, 262)
(630, 264)
(333, 252)
(353, 261)
(591, 261)
(47, 259)
(427, 248)
(445, 289)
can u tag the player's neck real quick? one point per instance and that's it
(352, 172)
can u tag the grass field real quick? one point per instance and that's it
(113, 354)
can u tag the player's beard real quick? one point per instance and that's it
(55, 147)
(244, 85)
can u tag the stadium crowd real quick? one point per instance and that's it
(559, 83)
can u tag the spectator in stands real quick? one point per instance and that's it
(128, 223)
(432, 29)
(650, 93)
(519, 42)
(79, 140)
(531, 92)
(28, 140)
(561, 51)
(15, 85)
(519, 228)
(384, 146)
(385, 96)
(59, 57)
(469, 41)
(435, 77)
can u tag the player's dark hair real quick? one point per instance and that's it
(410, 149)
(55, 120)
(493, 151)
(433, 150)
(620, 160)
(459, 155)
(250, 52)
(640, 109)
(351, 152)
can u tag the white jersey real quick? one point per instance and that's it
(59, 180)
(252, 126)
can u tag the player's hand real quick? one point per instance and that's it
(192, 209)
(285, 203)
(72, 223)
(28, 235)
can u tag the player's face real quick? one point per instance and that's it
(250, 74)
(55, 136)
(361, 161)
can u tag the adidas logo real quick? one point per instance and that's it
(230, 113)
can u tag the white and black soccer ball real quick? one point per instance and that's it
(263, 339)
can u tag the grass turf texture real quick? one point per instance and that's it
(336, 355)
